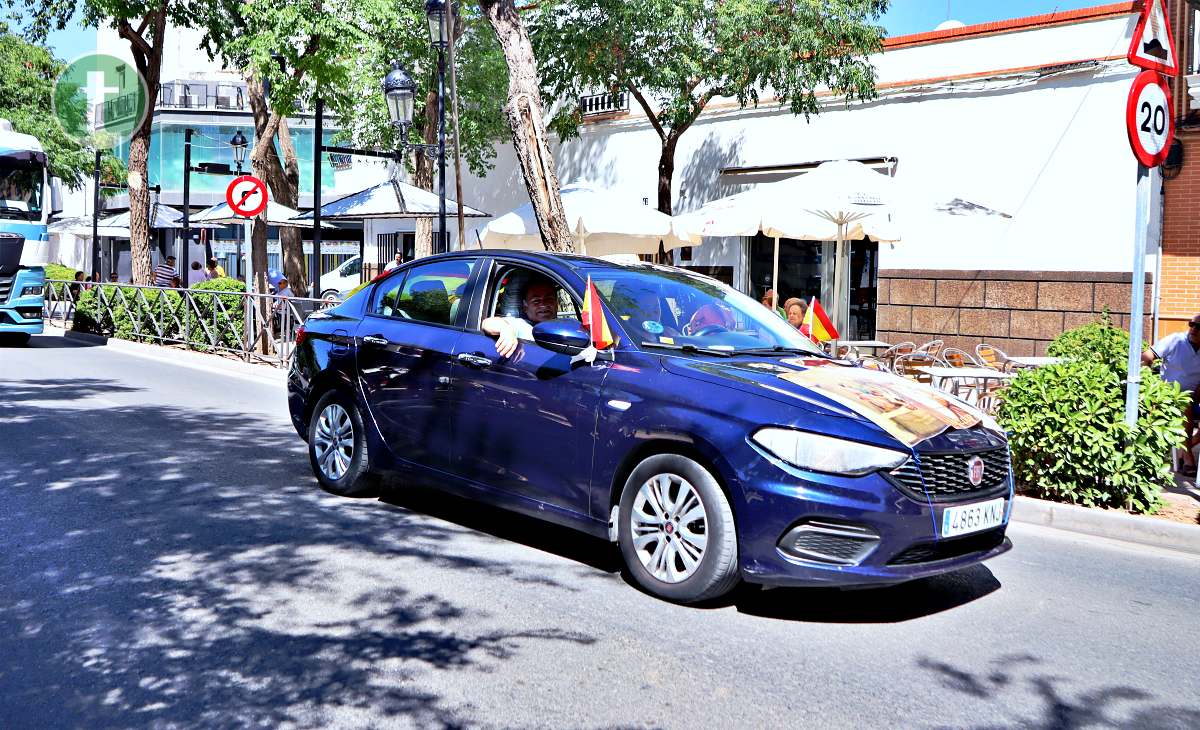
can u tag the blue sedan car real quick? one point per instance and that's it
(709, 439)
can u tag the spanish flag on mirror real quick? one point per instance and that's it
(593, 318)
(816, 325)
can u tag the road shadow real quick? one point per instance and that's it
(893, 604)
(167, 567)
(1063, 704)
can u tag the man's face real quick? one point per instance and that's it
(1194, 330)
(541, 302)
(399, 258)
(112, 277)
(170, 261)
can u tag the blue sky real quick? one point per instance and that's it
(918, 16)
(905, 16)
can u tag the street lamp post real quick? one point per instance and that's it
(399, 89)
(238, 143)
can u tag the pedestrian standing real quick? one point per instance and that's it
(215, 270)
(196, 275)
(164, 273)
(399, 259)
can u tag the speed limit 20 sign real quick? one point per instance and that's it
(1149, 119)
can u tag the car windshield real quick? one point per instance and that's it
(674, 308)
(20, 190)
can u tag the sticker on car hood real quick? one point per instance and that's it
(908, 411)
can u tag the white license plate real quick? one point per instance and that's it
(968, 518)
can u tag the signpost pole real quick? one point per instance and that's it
(185, 249)
(318, 132)
(1136, 309)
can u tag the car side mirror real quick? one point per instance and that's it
(564, 336)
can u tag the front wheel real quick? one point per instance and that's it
(337, 447)
(15, 339)
(676, 531)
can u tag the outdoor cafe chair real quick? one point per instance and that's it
(933, 347)
(992, 357)
(874, 363)
(956, 358)
(906, 366)
(889, 355)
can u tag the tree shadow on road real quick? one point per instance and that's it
(1061, 707)
(155, 573)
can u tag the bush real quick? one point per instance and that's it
(129, 313)
(60, 272)
(1067, 430)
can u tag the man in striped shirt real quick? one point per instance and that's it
(165, 272)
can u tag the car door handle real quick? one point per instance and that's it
(379, 340)
(473, 360)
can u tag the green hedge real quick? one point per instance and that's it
(157, 306)
(60, 272)
(1067, 430)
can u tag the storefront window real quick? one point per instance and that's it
(806, 270)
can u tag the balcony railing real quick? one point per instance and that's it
(604, 104)
(203, 95)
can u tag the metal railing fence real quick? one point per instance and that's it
(252, 327)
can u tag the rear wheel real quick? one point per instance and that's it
(676, 530)
(337, 447)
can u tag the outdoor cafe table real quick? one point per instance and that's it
(940, 374)
(1036, 362)
(865, 344)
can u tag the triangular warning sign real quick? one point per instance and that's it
(1153, 47)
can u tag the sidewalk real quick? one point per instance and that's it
(1112, 524)
(175, 355)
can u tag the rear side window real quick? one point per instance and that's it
(431, 293)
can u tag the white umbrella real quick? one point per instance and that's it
(277, 215)
(838, 201)
(603, 223)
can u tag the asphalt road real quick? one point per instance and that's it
(166, 559)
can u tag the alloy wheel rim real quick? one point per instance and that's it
(669, 528)
(334, 442)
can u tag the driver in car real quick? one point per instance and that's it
(642, 308)
(540, 304)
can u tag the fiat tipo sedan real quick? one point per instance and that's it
(672, 415)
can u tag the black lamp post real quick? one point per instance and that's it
(238, 143)
(399, 90)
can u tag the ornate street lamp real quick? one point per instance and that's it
(435, 13)
(399, 89)
(238, 143)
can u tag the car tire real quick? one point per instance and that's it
(686, 557)
(337, 447)
(330, 295)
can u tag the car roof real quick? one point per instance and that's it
(570, 260)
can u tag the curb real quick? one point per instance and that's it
(1113, 525)
(183, 358)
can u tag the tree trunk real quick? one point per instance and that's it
(147, 57)
(525, 119)
(266, 122)
(425, 169)
(666, 173)
(287, 188)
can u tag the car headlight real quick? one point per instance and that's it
(31, 291)
(815, 452)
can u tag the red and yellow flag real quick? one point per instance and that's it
(817, 325)
(593, 318)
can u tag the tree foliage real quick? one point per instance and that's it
(676, 56)
(26, 90)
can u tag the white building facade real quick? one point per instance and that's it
(1025, 116)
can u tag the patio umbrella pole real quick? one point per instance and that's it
(842, 303)
(775, 279)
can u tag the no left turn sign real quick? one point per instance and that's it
(1150, 119)
(246, 196)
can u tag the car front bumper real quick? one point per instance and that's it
(896, 535)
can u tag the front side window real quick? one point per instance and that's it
(528, 296)
(21, 185)
(431, 293)
(675, 308)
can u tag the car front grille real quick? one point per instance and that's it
(6, 283)
(827, 542)
(948, 549)
(946, 476)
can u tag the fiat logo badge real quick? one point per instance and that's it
(975, 470)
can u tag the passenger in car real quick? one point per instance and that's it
(539, 304)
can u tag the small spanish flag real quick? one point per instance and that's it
(816, 325)
(593, 318)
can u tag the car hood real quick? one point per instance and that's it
(906, 411)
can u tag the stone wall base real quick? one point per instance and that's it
(1019, 312)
